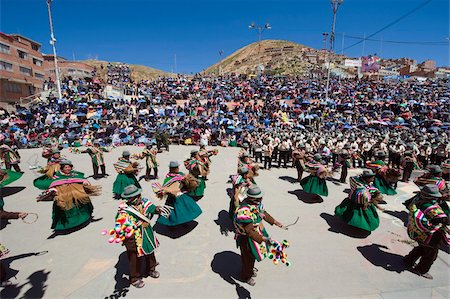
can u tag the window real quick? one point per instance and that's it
(39, 75)
(26, 71)
(22, 54)
(37, 62)
(5, 66)
(13, 87)
(35, 47)
(71, 70)
(4, 48)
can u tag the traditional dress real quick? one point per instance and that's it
(240, 185)
(150, 161)
(380, 168)
(10, 157)
(126, 176)
(315, 183)
(98, 160)
(358, 209)
(250, 230)
(70, 194)
(175, 187)
(198, 170)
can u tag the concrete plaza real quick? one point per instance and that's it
(329, 259)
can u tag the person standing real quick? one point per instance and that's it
(408, 164)
(126, 174)
(149, 154)
(96, 153)
(267, 153)
(10, 155)
(251, 236)
(426, 225)
(142, 242)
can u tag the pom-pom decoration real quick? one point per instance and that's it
(277, 254)
(124, 228)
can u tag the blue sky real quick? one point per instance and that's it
(152, 32)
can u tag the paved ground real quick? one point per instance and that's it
(329, 260)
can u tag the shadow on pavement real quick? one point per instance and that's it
(37, 286)
(122, 284)
(8, 191)
(288, 179)
(402, 215)
(381, 258)
(175, 232)
(224, 222)
(306, 197)
(228, 265)
(72, 230)
(340, 227)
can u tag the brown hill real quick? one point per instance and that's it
(138, 72)
(278, 57)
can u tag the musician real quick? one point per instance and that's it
(298, 160)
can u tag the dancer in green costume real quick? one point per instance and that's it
(315, 183)
(359, 209)
(126, 176)
(70, 193)
(380, 168)
(198, 170)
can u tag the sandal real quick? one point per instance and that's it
(153, 274)
(138, 284)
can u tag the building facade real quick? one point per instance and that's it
(22, 71)
(73, 69)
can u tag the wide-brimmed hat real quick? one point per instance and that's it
(125, 154)
(434, 169)
(55, 151)
(245, 154)
(65, 162)
(174, 164)
(254, 192)
(194, 151)
(367, 173)
(430, 191)
(131, 191)
(243, 170)
(245, 145)
(317, 157)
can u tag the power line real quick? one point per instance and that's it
(390, 24)
(443, 43)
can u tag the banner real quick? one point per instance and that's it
(352, 62)
(370, 64)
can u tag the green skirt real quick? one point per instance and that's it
(232, 143)
(11, 177)
(353, 214)
(200, 190)
(314, 184)
(123, 180)
(185, 209)
(383, 186)
(74, 217)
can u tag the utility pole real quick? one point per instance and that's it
(334, 5)
(220, 63)
(52, 42)
(260, 30)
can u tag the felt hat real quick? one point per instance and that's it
(434, 169)
(430, 191)
(367, 173)
(174, 164)
(125, 154)
(131, 191)
(254, 192)
(65, 162)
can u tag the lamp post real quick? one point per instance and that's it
(334, 5)
(260, 30)
(220, 63)
(52, 42)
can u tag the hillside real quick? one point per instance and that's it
(278, 57)
(138, 72)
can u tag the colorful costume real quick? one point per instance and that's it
(70, 194)
(315, 182)
(358, 209)
(381, 170)
(150, 161)
(126, 176)
(185, 209)
(198, 170)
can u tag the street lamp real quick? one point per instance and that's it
(334, 6)
(260, 30)
(52, 42)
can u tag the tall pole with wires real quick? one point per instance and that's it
(260, 30)
(52, 42)
(334, 5)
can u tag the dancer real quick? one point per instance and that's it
(427, 225)
(149, 154)
(315, 183)
(382, 174)
(70, 192)
(96, 153)
(241, 182)
(10, 155)
(126, 174)
(174, 192)
(251, 236)
(198, 170)
(359, 208)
